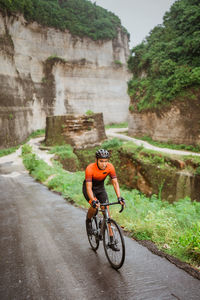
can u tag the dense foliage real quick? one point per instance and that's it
(80, 17)
(166, 64)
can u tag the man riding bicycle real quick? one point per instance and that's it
(93, 185)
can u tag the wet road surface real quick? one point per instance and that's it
(45, 254)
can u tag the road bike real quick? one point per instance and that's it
(106, 229)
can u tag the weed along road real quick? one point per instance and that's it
(45, 253)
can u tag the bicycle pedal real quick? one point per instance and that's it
(114, 247)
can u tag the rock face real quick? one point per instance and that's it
(44, 71)
(169, 183)
(80, 131)
(171, 180)
(177, 124)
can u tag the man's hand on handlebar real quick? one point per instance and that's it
(95, 204)
(121, 201)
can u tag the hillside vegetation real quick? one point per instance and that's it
(166, 65)
(80, 17)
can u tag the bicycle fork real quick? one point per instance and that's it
(106, 220)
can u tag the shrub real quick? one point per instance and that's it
(80, 17)
(26, 149)
(110, 144)
(63, 151)
(118, 63)
(190, 241)
(166, 65)
(89, 112)
(131, 108)
(198, 171)
(67, 157)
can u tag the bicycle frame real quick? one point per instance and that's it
(106, 215)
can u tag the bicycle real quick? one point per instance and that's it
(108, 230)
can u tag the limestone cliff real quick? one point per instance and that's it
(44, 71)
(178, 123)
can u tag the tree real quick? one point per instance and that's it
(169, 58)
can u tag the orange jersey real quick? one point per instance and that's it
(95, 175)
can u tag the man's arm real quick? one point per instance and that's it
(93, 201)
(117, 191)
(116, 187)
(89, 190)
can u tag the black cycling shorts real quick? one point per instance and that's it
(99, 193)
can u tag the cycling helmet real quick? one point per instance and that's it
(102, 153)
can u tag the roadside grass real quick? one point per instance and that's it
(146, 155)
(63, 151)
(66, 156)
(4, 152)
(120, 125)
(169, 144)
(194, 159)
(174, 228)
(164, 160)
(37, 133)
(110, 144)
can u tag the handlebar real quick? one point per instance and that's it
(113, 203)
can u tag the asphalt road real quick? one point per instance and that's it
(45, 254)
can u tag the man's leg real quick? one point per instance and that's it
(103, 198)
(91, 211)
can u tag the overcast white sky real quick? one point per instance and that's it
(138, 16)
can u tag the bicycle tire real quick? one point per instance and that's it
(93, 238)
(115, 258)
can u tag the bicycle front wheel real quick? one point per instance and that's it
(93, 237)
(114, 245)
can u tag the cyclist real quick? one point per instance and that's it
(93, 185)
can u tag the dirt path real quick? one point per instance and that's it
(42, 154)
(118, 133)
(45, 253)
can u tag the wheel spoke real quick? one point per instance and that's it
(114, 246)
(93, 237)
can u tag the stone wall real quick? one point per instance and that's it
(45, 71)
(178, 124)
(80, 131)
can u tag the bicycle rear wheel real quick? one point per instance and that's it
(93, 237)
(115, 248)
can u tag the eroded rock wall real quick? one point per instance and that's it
(44, 71)
(80, 131)
(178, 124)
(171, 181)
